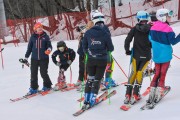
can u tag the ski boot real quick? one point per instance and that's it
(128, 94)
(158, 94)
(78, 83)
(86, 101)
(46, 89)
(136, 96)
(109, 82)
(151, 95)
(92, 99)
(32, 91)
(60, 85)
(81, 87)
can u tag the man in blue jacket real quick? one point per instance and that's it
(96, 45)
(40, 47)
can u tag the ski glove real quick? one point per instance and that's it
(69, 62)
(128, 52)
(58, 64)
(48, 51)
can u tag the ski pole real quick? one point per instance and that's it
(120, 67)
(85, 76)
(176, 56)
(70, 77)
(2, 56)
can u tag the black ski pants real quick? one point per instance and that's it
(43, 64)
(96, 68)
(81, 68)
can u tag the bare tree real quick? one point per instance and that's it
(95, 4)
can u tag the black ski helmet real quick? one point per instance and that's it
(61, 44)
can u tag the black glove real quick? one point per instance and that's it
(128, 52)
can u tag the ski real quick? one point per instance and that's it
(100, 99)
(153, 104)
(126, 107)
(24, 97)
(68, 88)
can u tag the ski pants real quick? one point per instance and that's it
(136, 75)
(96, 69)
(160, 74)
(81, 68)
(43, 64)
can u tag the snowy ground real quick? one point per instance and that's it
(14, 82)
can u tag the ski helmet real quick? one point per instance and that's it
(161, 14)
(142, 15)
(97, 17)
(61, 44)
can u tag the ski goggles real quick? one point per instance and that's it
(98, 17)
(143, 16)
(170, 13)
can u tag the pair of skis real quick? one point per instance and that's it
(153, 104)
(126, 107)
(43, 93)
(99, 99)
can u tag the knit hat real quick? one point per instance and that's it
(37, 25)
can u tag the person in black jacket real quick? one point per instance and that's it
(141, 55)
(62, 57)
(40, 47)
(82, 68)
(96, 45)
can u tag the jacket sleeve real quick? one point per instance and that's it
(128, 39)
(172, 38)
(54, 57)
(110, 46)
(49, 45)
(29, 48)
(72, 55)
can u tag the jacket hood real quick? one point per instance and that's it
(145, 28)
(100, 30)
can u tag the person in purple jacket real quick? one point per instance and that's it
(162, 37)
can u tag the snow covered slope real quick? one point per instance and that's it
(14, 82)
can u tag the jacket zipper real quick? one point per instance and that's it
(38, 47)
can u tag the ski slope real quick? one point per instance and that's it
(15, 81)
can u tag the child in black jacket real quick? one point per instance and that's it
(62, 57)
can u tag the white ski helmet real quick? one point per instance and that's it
(142, 15)
(97, 17)
(161, 14)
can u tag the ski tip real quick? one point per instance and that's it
(124, 107)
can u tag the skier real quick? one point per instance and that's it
(96, 44)
(40, 47)
(141, 55)
(63, 58)
(161, 37)
(82, 67)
